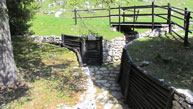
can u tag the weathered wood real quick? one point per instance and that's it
(91, 10)
(93, 17)
(181, 37)
(123, 15)
(179, 18)
(119, 18)
(109, 15)
(141, 89)
(169, 18)
(177, 12)
(153, 15)
(75, 15)
(134, 11)
(185, 13)
(186, 43)
(132, 15)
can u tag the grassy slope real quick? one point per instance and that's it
(47, 76)
(177, 71)
(49, 25)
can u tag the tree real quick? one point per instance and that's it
(7, 65)
(20, 13)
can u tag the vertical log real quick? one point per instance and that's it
(185, 13)
(75, 15)
(134, 12)
(119, 18)
(169, 18)
(153, 15)
(134, 16)
(109, 15)
(187, 29)
(123, 15)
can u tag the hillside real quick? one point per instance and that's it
(55, 18)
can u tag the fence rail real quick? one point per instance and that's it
(182, 14)
(141, 89)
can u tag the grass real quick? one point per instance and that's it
(46, 77)
(169, 59)
(49, 25)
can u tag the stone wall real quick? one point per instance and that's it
(183, 99)
(112, 50)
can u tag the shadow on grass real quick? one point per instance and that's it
(169, 59)
(29, 57)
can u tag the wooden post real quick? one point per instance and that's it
(123, 15)
(153, 15)
(185, 13)
(119, 18)
(109, 15)
(169, 18)
(134, 16)
(187, 29)
(75, 15)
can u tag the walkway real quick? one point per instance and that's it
(103, 91)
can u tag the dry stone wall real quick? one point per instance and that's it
(183, 99)
(112, 50)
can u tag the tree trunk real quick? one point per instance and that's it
(7, 65)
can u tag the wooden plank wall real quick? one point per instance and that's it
(141, 89)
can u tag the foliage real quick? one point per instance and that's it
(20, 12)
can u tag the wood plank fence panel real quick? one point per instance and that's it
(141, 89)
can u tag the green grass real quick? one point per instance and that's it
(48, 25)
(46, 76)
(169, 59)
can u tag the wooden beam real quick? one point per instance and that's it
(119, 18)
(152, 15)
(75, 15)
(185, 12)
(169, 18)
(186, 43)
(109, 15)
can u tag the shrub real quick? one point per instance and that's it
(20, 12)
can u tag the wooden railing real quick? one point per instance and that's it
(140, 89)
(180, 14)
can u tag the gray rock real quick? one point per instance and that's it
(101, 81)
(98, 76)
(144, 63)
(107, 84)
(188, 94)
(116, 94)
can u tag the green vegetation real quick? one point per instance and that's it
(46, 77)
(169, 59)
(20, 13)
(47, 24)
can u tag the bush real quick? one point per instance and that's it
(20, 12)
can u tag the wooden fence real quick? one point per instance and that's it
(180, 14)
(141, 89)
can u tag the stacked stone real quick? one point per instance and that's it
(112, 50)
(47, 39)
(108, 94)
(183, 100)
